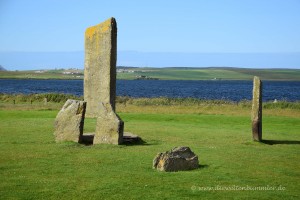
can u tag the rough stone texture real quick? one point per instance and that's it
(69, 121)
(109, 128)
(178, 159)
(100, 66)
(256, 115)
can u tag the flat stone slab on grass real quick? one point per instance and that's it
(178, 159)
(87, 138)
(130, 138)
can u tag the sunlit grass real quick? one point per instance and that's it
(33, 166)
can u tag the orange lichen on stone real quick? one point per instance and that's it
(100, 66)
(90, 31)
(103, 27)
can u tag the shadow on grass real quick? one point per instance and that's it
(135, 142)
(130, 139)
(88, 139)
(274, 142)
(203, 166)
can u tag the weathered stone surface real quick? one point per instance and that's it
(109, 128)
(69, 121)
(256, 115)
(178, 159)
(100, 66)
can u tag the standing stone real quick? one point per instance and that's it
(109, 128)
(100, 66)
(69, 121)
(45, 101)
(257, 109)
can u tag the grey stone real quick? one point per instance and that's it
(100, 81)
(100, 66)
(109, 127)
(178, 159)
(45, 101)
(256, 115)
(69, 121)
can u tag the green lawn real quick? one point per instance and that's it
(33, 166)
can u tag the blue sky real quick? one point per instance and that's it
(154, 30)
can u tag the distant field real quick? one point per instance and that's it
(212, 73)
(167, 74)
(41, 74)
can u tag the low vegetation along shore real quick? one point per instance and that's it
(54, 101)
(175, 73)
(232, 166)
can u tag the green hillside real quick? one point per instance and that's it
(210, 73)
(42, 74)
(176, 73)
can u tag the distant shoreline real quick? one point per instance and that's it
(171, 73)
(68, 79)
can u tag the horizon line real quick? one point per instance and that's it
(137, 51)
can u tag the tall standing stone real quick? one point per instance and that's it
(69, 121)
(100, 81)
(257, 109)
(100, 66)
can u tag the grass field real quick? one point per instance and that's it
(170, 74)
(36, 74)
(33, 166)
